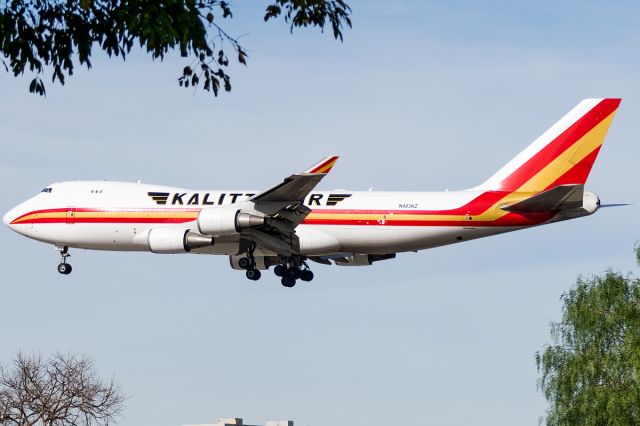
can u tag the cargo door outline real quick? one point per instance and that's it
(70, 216)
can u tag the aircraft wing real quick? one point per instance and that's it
(296, 187)
(558, 198)
(283, 204)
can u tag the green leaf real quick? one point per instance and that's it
(590, 372)
(54, 36)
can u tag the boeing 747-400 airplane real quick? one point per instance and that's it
(291, 223)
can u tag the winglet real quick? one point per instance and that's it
(324, 166)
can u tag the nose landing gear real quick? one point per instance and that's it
(63, 267)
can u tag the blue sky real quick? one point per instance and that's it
(422, 95)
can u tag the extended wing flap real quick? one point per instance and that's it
(283, 204)
(563, 197)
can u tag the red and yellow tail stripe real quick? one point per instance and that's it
(569, 157)
(324, 166)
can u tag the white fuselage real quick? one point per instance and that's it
(289, 223)
(104, 215)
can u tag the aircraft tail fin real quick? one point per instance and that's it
(563, 155)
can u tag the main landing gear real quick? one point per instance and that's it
(249, 263)
(63, 267)
(291, 271)
(253, 274)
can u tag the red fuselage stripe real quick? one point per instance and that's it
(511, 219)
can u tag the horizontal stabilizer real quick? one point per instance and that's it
(563, 197)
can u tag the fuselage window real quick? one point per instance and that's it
(46, 190)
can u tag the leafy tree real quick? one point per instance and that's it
(61, 391)
(37, 35)
(591, 374)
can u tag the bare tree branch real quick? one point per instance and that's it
(62, 391)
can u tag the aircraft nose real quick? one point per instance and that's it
(8, 217)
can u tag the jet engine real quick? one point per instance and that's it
(173, 240)
(262, 262)
(219, 221)
(357, 259)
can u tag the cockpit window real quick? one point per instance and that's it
(46, 190)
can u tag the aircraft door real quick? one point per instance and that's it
(71, 215)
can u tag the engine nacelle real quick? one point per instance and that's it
(172, 240)
(357, 259)
(262, 262)
(219, 221)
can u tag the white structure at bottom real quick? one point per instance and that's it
(237, 421)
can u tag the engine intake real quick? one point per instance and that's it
(171, 240)
(219, 221)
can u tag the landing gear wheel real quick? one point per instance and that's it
(64, 268)
(306, 275)
(293, 273)
(253, 274)
(244, 263)
(288, 282)
(280, 270)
